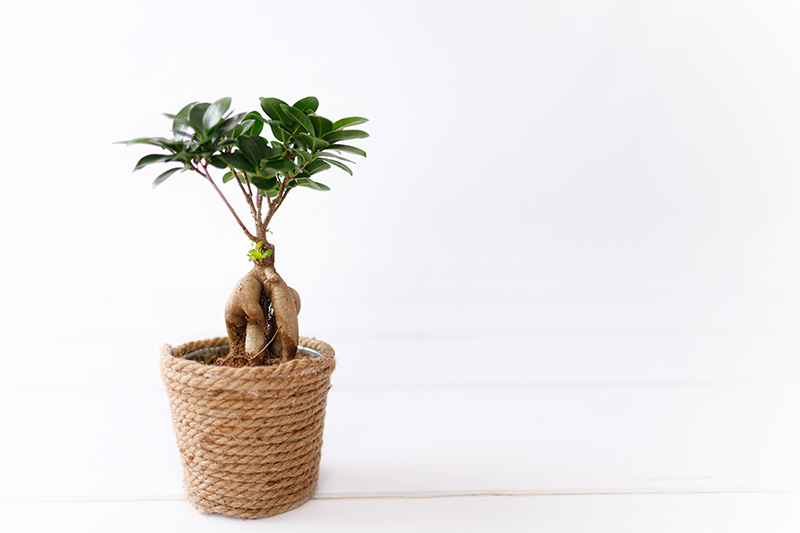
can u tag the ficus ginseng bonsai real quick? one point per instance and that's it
(261, 312)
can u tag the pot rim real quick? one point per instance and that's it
(171, 357)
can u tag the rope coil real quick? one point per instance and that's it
(250, 438)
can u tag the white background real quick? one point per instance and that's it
(576, 234)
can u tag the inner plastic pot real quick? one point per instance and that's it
(250, 438)
(207, 355)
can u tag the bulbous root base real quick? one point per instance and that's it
(261, 318)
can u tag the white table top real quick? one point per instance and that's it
(575, 431)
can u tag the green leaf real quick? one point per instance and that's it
(335, 156)
(348, 148)
(250, 148)
(315, 166)
(278, 131)
(304, 156)
(181, 120)
(242, 127)
(349, 121)
(342, 135)
(154, 141)
(218, 162)
(263, 147)
(150, 159)
(255, 115)
(196, 116)
(265, 184)
(301, 143)
(230, 175)
(255, 148)
(165, 175)
(258, 123)
(230, 123)
(273, 152)
(299, 117)
(283, 166)
(307, 182)
(321, 124)
(314, 143)
(309, 104)
(214, 113)
(267, 172)
(272, 107)
(178, 119)
(238, 161)
(182, 136)
(340, 165)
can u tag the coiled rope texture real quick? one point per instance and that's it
(250, 438)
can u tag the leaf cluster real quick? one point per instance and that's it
(302, 144)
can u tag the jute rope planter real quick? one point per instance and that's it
(250, 438)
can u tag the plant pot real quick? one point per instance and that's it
(250, 438)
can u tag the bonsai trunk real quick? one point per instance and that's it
(261, 318)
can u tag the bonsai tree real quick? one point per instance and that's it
(261, 312)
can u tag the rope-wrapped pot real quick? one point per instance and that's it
(250, 438)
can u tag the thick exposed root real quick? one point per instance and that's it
(261, 319)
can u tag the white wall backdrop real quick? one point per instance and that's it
(535, 168)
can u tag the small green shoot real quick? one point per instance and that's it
(257, 254)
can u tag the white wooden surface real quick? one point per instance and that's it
(591, 431)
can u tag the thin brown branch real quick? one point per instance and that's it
(274, 205)
(282, 193)
(269, 200)
(248, 194)
(207, 176)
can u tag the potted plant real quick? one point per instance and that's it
(248, 409)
